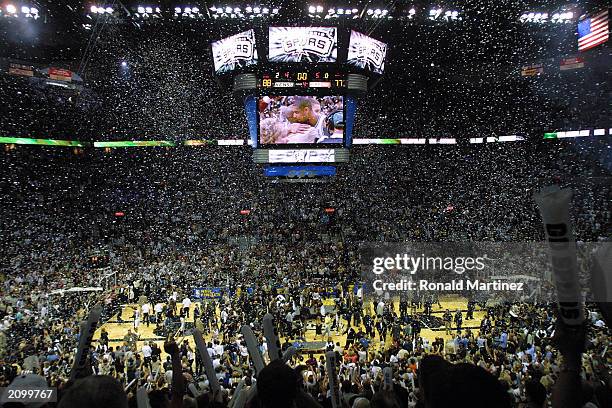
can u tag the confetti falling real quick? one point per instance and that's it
(168, 220)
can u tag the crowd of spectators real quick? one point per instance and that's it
(182, 228)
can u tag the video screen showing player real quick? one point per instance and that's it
(301, 120)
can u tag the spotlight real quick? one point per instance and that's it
(34, 10)
(331, 11)
(274, 11)
(141, 10)
(256, 10)
(109, 10)
(370, 12)
(377, 11)
(213, 9)
(157, 10)
(355, 11)
(340, 11)
(319, 9)
(93, 9)
(312, 9)
(177, 10)
(265, 10)
(124, 64)
(195, 10)
(149, 10)
(249, 9)
(25, 10)
(187, 10)
(412, 12)
(11, 9)
(228, 9)
(237, 10)
(384, 12)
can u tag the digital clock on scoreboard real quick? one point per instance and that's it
(303, 79)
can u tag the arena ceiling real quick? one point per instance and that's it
(65, 27)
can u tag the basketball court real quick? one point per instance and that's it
(117, 330)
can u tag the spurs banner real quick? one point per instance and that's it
(234, 52)
(303, 44)
(366, 52)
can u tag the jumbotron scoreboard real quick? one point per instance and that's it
(299, 87)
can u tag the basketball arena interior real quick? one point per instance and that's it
(305, 204)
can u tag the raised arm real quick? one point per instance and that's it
(178, 381)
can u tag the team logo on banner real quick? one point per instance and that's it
(235, 51)
(303, 44)
(366, 52)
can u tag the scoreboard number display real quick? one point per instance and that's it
(302, 79)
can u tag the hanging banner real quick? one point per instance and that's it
(571, 63)
(532, 70)
(60, 74)
(21, 70)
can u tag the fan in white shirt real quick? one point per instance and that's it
(147, 351)
(186, 306)
(218, 349)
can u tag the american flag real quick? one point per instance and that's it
(593, 31)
